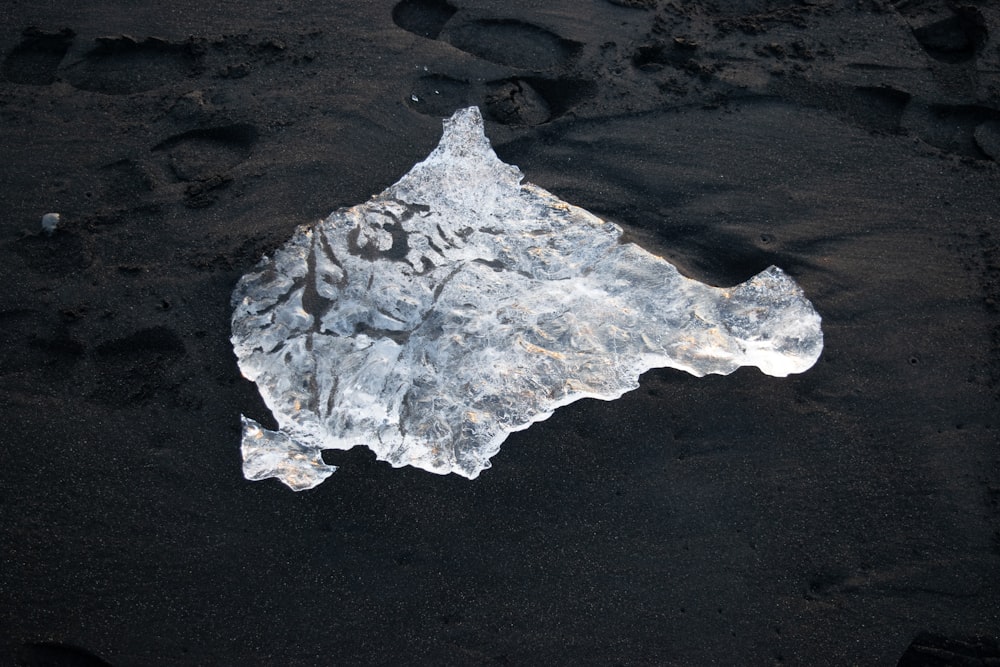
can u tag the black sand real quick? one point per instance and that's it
(832, 518)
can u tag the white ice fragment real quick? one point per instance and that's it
(461, 305)
(50, 222)
(271, 453)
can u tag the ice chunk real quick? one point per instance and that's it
(274, 454)
(50, 222)
(461, 305)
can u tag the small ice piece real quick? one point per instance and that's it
(266, 453)
(461, 305)
(50, 222)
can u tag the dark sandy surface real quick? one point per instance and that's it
(831, 518)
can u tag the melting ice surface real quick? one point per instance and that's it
(461, 305)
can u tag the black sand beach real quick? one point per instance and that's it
(849, 515)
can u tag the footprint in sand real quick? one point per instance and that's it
(502, 41)
(35, 60)
(516, 102)
(966, 130)
(513, 43)
(203, 153)
(874, 108)
(124, 65)
(423, 17)
(205, 157)
(529, 99)
(533, 100)
(947, 31)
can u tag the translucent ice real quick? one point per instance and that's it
(461, 305)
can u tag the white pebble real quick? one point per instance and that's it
(50, 221)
